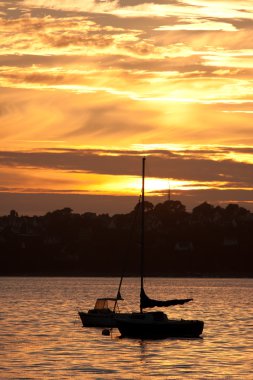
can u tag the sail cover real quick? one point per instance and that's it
(148, 302)
(119, 297)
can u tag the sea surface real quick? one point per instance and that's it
(41, 336)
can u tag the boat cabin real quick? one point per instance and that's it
(105, 305)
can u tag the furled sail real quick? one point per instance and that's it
(119, 297)
(148, 302)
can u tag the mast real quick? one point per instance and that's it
(142, 223)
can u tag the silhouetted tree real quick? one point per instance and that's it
(13, 214)
(148, 206)
(169, 212)
(235, 211)
(62, 242)
(203, 212)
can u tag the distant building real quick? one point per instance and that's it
(183, 246)
(230, 241)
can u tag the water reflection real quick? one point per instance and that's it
(41, 336)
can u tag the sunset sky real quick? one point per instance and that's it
(89, 87)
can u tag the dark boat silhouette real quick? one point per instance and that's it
(105, 310)
(103, 314)
(155, 324)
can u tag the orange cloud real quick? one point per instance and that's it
(121, 74)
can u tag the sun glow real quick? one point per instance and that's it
(79, 182)
(124, 185)
(89, 88)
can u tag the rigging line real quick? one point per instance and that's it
(124, 265)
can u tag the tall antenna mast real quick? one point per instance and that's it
(169, 191)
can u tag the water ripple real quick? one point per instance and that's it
(41, 336)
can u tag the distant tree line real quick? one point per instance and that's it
(209, 241)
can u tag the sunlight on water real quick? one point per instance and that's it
(41, 336)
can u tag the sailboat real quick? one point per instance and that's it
(106, 309)
(155, 324)
(103, 314)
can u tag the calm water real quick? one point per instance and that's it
(41, 336)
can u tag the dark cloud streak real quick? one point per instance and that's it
(161, 164)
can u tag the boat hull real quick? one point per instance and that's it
(101, 319)
(97, 320)
(160, 330)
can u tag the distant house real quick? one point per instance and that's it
(51, 240)
(112, 225)
(230, 241)
(183, 246)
